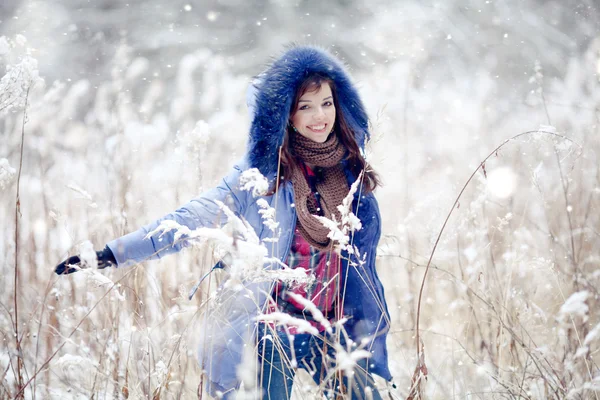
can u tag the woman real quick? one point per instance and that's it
(307, 134)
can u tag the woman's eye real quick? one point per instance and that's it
(327, 104)
(304, 107)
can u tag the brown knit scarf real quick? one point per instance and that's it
(332, 188)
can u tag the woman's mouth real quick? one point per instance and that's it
(317, 128)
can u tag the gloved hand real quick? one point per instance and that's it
(106, 258)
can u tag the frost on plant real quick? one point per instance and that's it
(547, 128)
(161, 372)
(285, 274)
(7, 174)
(339, 232)
(281, 318)
(196, 140)
(83, 194)
(312, 308)
(89, 265)
(88, 256)
(347, 360)
(247, 372)
(502, 222)
(232, 238)
(97, 280)
(575, 306)
(252, 180)
(268, 215)
(592, 336)
(77, 371)
(20, 76)
(538, 75)
(237, 244)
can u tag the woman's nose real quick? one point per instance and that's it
(319, 113)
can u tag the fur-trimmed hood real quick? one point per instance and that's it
(270, 101)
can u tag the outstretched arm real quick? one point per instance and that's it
(202, 211)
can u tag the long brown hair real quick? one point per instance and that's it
(354, 158)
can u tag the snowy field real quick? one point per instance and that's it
(485, 122)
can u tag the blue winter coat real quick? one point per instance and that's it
(225, 336)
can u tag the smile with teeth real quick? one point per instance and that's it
(317, 128)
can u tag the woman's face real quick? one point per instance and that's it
(314, 117)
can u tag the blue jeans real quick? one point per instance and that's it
(276, 372)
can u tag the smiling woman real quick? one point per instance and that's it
(310, 148)
(314, 112)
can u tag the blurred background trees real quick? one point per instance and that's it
(76, 39)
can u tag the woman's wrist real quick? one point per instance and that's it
(106, 258)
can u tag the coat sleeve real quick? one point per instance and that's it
(202, 211)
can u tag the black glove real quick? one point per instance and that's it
(106, 258)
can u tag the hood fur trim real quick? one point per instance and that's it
(272, 101)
